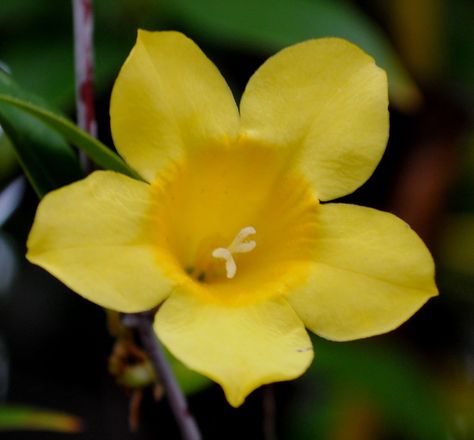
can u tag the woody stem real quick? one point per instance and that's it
(179, 406)
(84, 67)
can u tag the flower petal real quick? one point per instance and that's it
(92, 236)
(241, 348)
(169, 98)
(371, 273)
(326, 102)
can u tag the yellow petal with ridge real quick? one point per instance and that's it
(92, 235)
(241, 348)
(371, 273)
(169, 99)
(324, 103)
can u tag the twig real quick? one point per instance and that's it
(84, 67)
(269, 413)
(177, 401)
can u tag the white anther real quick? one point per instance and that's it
(238, 246)
(243, 248)
(230, 266)
(242, 235)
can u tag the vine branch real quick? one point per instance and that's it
(84, 68)
(179, 406)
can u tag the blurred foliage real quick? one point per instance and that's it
(243, 24)
(418, 29)
(46, 158)
(27, 418)
(96, 150)
(190, 381)
(8, 162)
(389, 383)
(457, 248)
(458, 65)
(269, 25)
(131, 368)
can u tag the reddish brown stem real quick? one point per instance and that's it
(84, 65)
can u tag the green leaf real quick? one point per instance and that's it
(46, 65)
(48, 70)
(46, 158)
(269, 25)
(97, 151)
(27, 418)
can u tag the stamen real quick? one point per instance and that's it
(230, 266)
(238, 246)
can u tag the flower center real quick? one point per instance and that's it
(205, 214)
(239, 245)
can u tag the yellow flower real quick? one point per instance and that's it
(228, 234)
